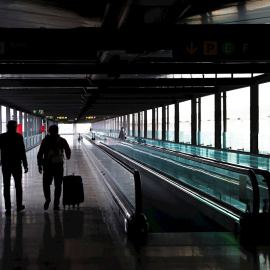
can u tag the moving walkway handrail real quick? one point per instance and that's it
(136, 175)
(249, 172)
(262, 172)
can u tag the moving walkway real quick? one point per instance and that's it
(263, 175)
(226, 193)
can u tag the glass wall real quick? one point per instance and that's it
(149, 124)
(238, 119)
(31, 125)
(207, 135)
(264, 118)
(170, 122)
(237, 122)
(4, 119)
(185, 122)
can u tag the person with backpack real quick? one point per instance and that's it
(50, 159)
(12, 157)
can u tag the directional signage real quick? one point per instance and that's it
(62, 117)
(90, 117)
(38, 112)
(218, 50)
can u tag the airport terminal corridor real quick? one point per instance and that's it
(91, 237)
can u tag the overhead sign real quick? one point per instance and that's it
(211, 49)
(38, 112)
(90, 117)
(62, 117)
(49, 117)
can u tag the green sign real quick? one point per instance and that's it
(38, 112)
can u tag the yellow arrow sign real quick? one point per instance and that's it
(191, 49)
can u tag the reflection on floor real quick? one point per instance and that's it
(91, 237)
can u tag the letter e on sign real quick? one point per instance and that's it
(210, 48)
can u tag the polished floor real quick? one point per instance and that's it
(92, 238)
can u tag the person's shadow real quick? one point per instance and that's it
(14, 259)
(51, 255)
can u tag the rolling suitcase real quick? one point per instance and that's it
(73, 193)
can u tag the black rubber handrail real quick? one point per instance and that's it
(135, 172)
(136, 175)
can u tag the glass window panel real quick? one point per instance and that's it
(264, 118)
(141, 124)
(185, 122)
(196, 75)
(4, 119)
(149, 124)
(209, 75)
(242, 75)
(224, 75)
(170, 122)
(130, 125)
(207, 135)
(159, 123)
(238, 119)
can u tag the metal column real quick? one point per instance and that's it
(254, 119)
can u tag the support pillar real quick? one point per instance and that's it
(145, 123)
(224, 119)
(1, 120)
(218, 120)
(193, 122)
(75, 128)
(163, 124)
(176, 123)
(139, 124)
(153, 123)
(254, 119)
(7, 114)
(133, 125)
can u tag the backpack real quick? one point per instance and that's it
(55, 153)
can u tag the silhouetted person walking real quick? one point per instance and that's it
(12, 156)
(122, 134)
(50, 159)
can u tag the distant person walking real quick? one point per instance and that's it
(12, 157)
(50, 159)
(122, 134)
